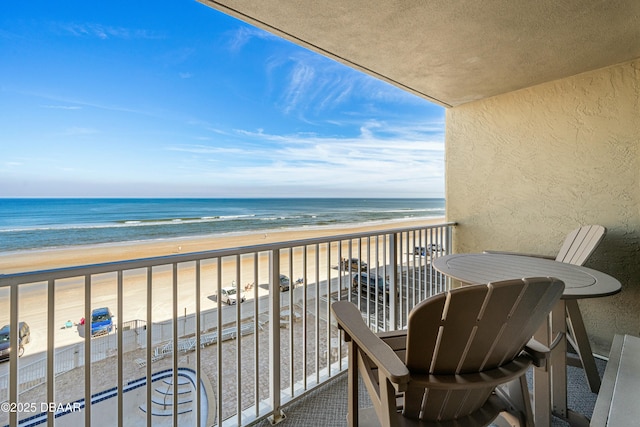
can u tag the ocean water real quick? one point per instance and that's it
(52, 223)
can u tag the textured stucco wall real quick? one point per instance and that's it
(525, 168)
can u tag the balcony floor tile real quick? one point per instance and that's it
(327, 406)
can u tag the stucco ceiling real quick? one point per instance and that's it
(454, 51)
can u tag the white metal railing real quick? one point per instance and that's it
(255, 356)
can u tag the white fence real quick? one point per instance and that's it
(276, 361)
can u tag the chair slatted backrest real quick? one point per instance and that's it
(580, 244)
(468, 330)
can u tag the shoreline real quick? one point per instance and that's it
(50, 258)
(230, 234)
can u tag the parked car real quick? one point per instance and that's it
(101, 321)
(428, 250)
(229, 295)
(353, 264)
(24, 337)
(285, 283)
(370, 283)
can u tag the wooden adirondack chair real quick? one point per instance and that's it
(576, 249)
(580, 244)
(459, 347)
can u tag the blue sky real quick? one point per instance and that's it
(175, 99)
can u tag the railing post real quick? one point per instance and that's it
(274, 335)
(393, 279)
(13, 356)
(448, 238)
(87, 349)
(120, 344)
(50, 362)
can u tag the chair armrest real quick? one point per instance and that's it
(539, 352)
(519, 253)
(350, 321)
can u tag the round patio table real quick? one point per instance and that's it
(579, 282)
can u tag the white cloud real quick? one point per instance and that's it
(300, 79)
(408, 159)
(62, 107)
(244, 34)
(203, 149)
(78, 103)
(309, 82)
(104, 32)
(308, 85)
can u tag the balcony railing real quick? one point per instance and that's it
(179, 352)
